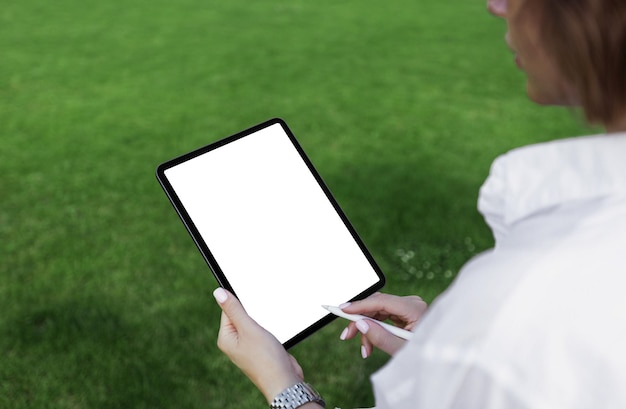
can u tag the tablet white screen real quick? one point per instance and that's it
(269, 225)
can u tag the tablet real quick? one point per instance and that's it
(270, 230)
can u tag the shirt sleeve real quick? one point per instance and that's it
(447, 382)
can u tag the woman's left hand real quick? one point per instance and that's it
(253, 349)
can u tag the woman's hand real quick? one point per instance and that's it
(405, 312)
(253, 349)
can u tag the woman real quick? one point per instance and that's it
(536, 322)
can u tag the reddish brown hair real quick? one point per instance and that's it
(588, 41)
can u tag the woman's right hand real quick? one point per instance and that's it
(405, 312)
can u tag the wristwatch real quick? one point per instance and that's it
(295, 396)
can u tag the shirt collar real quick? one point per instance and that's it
(534, 178)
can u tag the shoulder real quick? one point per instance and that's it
(535, 320)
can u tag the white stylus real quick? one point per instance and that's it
(399, 332)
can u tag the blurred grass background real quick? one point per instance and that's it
(105, 301)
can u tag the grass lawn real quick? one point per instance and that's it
(105, 301)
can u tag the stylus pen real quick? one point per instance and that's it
(399, 332)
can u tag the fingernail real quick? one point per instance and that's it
(344, 305)
(344, 334)
(220, 295)
(362, 326)
(363, 351)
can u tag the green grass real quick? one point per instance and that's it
(105, 301)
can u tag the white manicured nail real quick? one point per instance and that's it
(362, 326)
(220, 295)
(344, 334)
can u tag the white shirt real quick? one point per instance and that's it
(540, 320)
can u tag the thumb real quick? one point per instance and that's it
(233, 312)
(379, 337)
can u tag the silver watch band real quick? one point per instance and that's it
(295, 396)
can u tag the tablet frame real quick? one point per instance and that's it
(206, 252)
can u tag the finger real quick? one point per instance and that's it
(349, 332)
(234, 318)
(366, 347)
(497, 7)
(226, 325)
(408, 309)
(379, 303)
(231, 306)
(378, 337)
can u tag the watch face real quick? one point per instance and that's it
(312, 391)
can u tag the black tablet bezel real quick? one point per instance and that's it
(206, 252)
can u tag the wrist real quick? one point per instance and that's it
(298, 396)
(277, 386)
